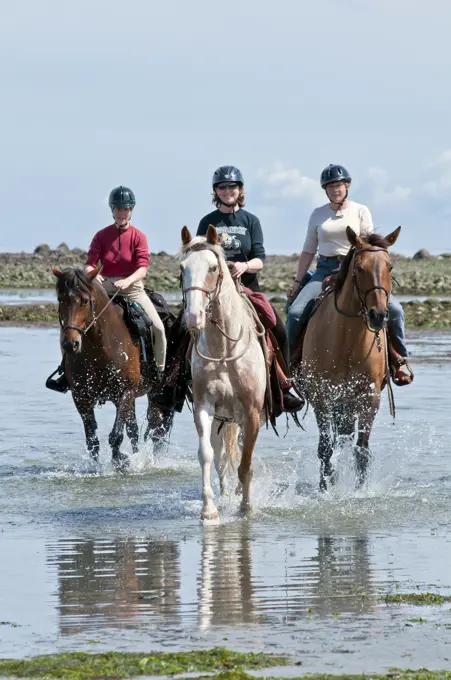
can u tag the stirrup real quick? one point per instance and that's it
(402, 361)
(57, 384)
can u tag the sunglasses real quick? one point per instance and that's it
(227, 185)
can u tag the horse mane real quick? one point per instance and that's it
(74, 280)
(374, 240)
(200, 243)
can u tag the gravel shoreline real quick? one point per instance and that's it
(427, 276)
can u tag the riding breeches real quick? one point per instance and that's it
(136, 293)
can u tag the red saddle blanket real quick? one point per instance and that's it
(262, 306)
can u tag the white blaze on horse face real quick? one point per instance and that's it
(195, 273)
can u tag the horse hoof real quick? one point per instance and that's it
(245, 509)
(211, 516)
(121, 462)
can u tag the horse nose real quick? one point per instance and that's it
(72, 346)
(195, 320)
(377, 318)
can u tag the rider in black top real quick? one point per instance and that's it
(241, 237)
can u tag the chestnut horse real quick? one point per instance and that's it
(227, 364)
(345, 357)
(102, 363)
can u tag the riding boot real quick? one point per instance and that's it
(399, 365)
(290, 402)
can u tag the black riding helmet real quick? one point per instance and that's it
(334, 173)
(227, 173)
(122, 197)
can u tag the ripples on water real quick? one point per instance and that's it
(122, 561)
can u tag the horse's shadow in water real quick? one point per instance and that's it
(344, 356)
(102, 363)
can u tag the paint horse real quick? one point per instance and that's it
(227, 365)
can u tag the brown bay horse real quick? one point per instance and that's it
(102, 363)
(344, 358)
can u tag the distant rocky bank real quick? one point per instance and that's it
(424, 274)
(428, 314)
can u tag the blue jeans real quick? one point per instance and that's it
(325, 267)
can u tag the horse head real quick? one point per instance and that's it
(202, 268)
(76, 294)
(371, 274)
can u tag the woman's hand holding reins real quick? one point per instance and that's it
(237, 269)
(293, 290)
(122, 284)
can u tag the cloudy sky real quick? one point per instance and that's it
(155, 95)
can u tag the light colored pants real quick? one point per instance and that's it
(136, 293)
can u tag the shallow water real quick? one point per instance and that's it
(95, 560)
(24, 296)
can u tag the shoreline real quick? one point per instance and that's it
(430, 314)
(428, 275)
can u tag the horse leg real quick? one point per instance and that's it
(159, 425)
(86, 410)
(325, 445)
(362, 453)
(251, 427)
(203, 419)
(217, 442)
(132, 429)
(116, 437)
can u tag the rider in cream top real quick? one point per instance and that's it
(326, 232)
(326, 237)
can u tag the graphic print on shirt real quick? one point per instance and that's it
(228, 239)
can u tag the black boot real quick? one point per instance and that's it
(59, 384)
(291, 403)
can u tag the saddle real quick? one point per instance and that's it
(139, 324)
(176, 385)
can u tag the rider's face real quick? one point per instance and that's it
(122, 216)
(336, 191)
(228, 192)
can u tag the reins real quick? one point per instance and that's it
(364, 314)
(213, 296)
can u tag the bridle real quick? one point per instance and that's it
(212, 296)
(92, 302)
(363, 312)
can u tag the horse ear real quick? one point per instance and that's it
(57, 272)
(393, 237)
(212, 235)
(353, 239)
(186, 236)
(92, 274)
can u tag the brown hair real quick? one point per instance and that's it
(241, 198)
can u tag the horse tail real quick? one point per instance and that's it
(230, 433)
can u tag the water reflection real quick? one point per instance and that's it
(225, 583)
(230, 576)
(112, 583)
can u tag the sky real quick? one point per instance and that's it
(156, 95)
